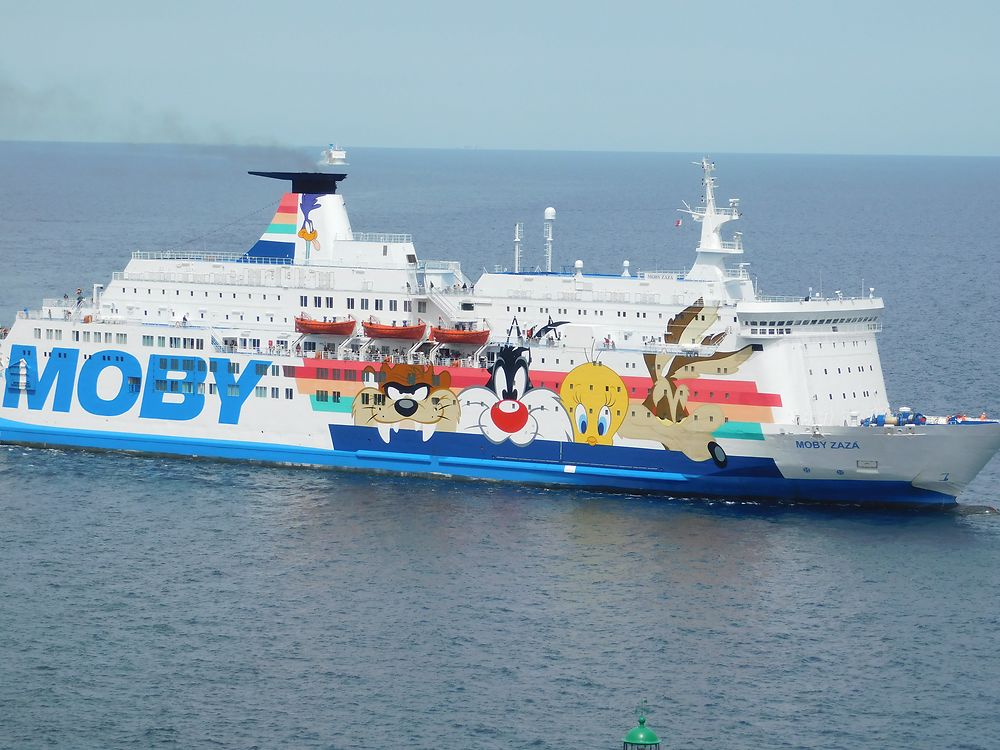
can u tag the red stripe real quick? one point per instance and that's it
(716, 392)
(741, 392)
(711, 384)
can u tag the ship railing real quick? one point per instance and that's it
(211, 257)
(69, 303)
(375, 358)
(733, 212)
(722, 246)
(385, 237)
(807, 299)
(439, 265)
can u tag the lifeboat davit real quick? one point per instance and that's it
(330, 328)
(379, 331)
(456, 336)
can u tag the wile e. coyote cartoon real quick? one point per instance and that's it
(668, 419)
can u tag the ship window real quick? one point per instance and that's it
(260, 392)
(421, 307)
(329, 301)
(288, 393)
(303, 301)
(259, 369)
(365, 398)
(322, 396)
(274, 393)
(350, 303)
(364, 303)
(392, 305)
(378, 304)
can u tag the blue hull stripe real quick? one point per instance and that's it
(521, 471)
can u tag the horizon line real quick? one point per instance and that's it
(288, 147)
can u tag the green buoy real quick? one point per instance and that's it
(641, 737)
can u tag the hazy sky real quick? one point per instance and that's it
(871, 76)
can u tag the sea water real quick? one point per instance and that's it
(150, 602)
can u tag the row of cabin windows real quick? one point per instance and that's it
(233, 368)
(182, 386)
(261, 391)
(176, 342)
(317, 301)
(177, 293)
(366, 303)
(780, 331)
(861, 368)
(828, 321)
(328, 397)
(854, 394)
(56, 334)
(843, 344)
(580, 311)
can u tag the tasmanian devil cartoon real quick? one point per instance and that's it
(508, 407)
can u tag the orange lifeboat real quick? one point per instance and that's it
(456, 336)
(330, 328)
(379, 331)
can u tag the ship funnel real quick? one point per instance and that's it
(308, 219)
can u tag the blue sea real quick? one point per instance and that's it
(150, 602)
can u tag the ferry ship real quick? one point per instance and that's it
(323, 346)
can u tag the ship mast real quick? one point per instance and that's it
(710, 264)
